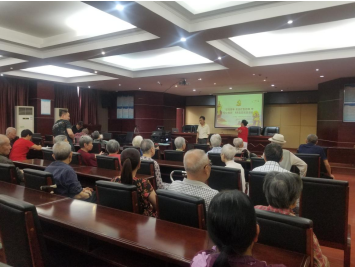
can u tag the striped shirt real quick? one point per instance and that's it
(158, 175)
(270, 166)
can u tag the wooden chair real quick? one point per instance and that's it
(326, 202)
(8, 173)
(181, 208)
(224, 178)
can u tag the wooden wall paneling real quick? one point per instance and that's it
(272, 115)
(291, 97)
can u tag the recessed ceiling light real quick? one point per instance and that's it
(183, 39)
(290, 22)
(11, 68)
(139, 88)
(176, 85)
(95, 72)
(119, 84)
(230, 88)
(89, 86)
(253, 74)
(322, 76)
(214, 83)
(119, 7)
(264, 80)
(103, 52)
(199, 79)
(197, 7)
(272, 85)
(2, 74)
(219, 58)
(281, 89)
(317, 70)
(194, 89)
(57, 71)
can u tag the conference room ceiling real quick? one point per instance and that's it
(218, 47)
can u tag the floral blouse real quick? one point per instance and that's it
(144, 189)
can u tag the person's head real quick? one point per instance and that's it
(278, 139)
(238, 143)
(86, 143)
(244, 123)
(26, 134)
(231, 224)
(95, 135)
(273, 152)
(112, 147)
(215, 140)
(79, 125)
(202, 120)
(311, 138)
(5, 146)
(11, 133)
(180, 143)
(59, 138)
(228, 153)
(147, 147)
(197, 165)
(130, 160)
(62, 151)
(64, 114)
(282, 189)
(85, 131)
(137, 141)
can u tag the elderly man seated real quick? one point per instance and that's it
(98, 138)
(282, 191)
(180, 143)
(65, 177)
(5, 148)
(86, 145)
(148, 149)
(273, 157)
(288, 158)
(198, 167)
(78, 135)
(11, 134)
(239, 147)
(59, 138)
(227, 156)
(311, 147)
(215, 141)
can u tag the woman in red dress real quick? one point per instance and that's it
(243, 132)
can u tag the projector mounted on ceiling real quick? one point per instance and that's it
(183, 82)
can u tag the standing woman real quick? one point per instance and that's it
(243, 132)
(130, 160)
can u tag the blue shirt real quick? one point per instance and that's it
(65, 178)
(311, 148)
(215, 150)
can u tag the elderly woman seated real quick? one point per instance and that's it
(239, 147)
(98, 138)
(227, 156)
(112, 148)
(215, 141)
(86, 144)
(282, 191)
(180, 144)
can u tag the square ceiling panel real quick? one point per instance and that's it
(197, 7)
(57, 71)
(154, 59)
(317, 37)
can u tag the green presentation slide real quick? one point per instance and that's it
(231, 109)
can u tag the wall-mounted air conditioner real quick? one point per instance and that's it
(24, 118)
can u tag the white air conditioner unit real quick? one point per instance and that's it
(57, 113)
(24, 118)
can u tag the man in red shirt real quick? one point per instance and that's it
(243, 132)
(86, 144)
(22, 146)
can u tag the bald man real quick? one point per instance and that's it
(5, 148)
(198, 167)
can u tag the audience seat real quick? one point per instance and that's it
(97, 148)
(326, 202)
(21, 233)
(8, 173)
(107, 136)
(224, 178)
(37, 140)
(215, 159)
(147, 168)
(129, 138)
(107, 162)
(287, 232)
(117, 195)
(156, 154)
(174, 155)
(256, 192)
(313, 162)
(254, 131)
(204, 147)
(257, 162)
(181, 208)
(130, 146)
(47, 154)
(270, 131)
(38, 180)
(37, 135)
(76, 158)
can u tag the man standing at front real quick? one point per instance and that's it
(64, 127)
(203, 131)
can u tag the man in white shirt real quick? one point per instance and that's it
(198, 167)
(273, 156)
(288, 158)
(227, 156)
(203, 131)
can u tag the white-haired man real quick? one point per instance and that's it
(180, 143)
(198, 167)
(11, 134)
(215, 141)
(5, 148)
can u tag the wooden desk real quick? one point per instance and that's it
(28, 195)
(38, 164)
